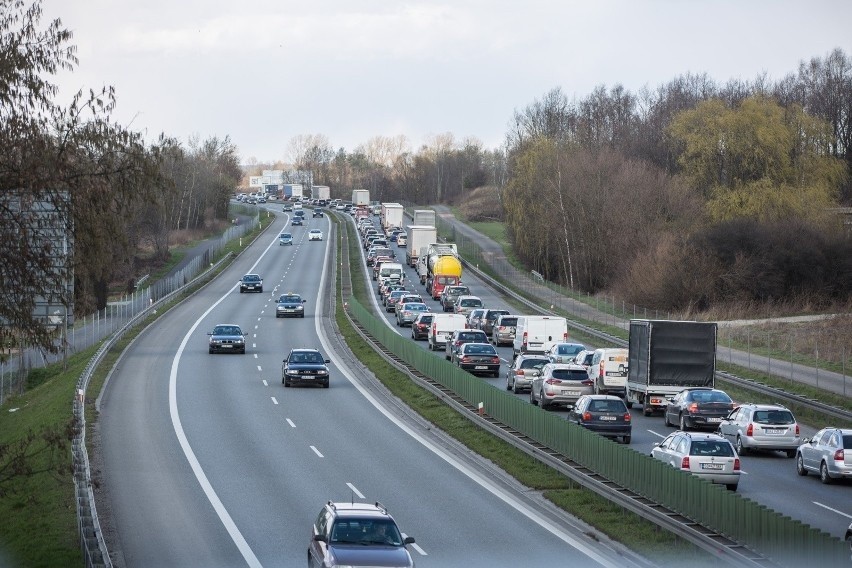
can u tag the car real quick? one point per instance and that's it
(519, 377)
(285, 239)
(474, 318)
(698, 408)
(465, 304)
(449, 295)
(401, 240)
(226, 338)
(411, 297)
(584, 358)
(290, 305)
(704, 455)
(297, 220)
(828, 453)
(604, 414)
(357, 534)
(564, 352)
(305, 366)
(420, 326)
(488, 320)
(761, 427)
(503, 330)
(407, 312)
(393, 298)
(461, 336)
(389, 287)
(251, 283)
(317, 213)
(477, 358)
(378, 261)
(560, 384)
(261, 199)
(314, 235)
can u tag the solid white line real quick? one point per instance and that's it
(265, 383)
(832, 510)
(355, 490)
(291, 423)
(317, 452)
(487, 484)
(418, 549)
(224, 516)
(657, 434)
(274, 400)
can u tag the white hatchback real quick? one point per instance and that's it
(315, 235)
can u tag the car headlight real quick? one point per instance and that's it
(300, 307)
(322, 372)
(291, 372)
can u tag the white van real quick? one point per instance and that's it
(537, 334)
(443, 326)
(609, 371)
(390, 271)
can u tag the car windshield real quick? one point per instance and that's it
(570, 374)
(710, 396)
(480, 349)
(425, 319)
(416, 307)
(607, 406)
(286, 235)
(569, 349)
(470, 336)
(469, 303)
(306, 357)
(289, 299)
(251, 278)
(711, 448)
(533, 363)
(365, 531)
(226, 330)
(509, 322)
(773, 417)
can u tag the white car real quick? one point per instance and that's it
(314, 235)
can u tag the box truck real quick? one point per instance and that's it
(418, 236)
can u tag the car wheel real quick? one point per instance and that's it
(496, 374)
(243, 351)
(823, 473)
(325, 385)
(210, 351)
(800, 466)
(665, 416)
(533, 401)
(542, 402)
(731, 486)
(241, 290)
(682, 422)
(515, 388)
(302, 316)
(509, 386)
(646, 410)
(791, 453)
(286, 382)
(741, 450)
(626, 439)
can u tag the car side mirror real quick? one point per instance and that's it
(320, 538)
(328, 360)
(210, 333)
(408, 540)
(304, 301)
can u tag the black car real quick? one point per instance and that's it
(290, 305)
(357, 534)
(251, 283)
(306, 366)
(478, 358)
(698, 408)
(297, 220)
(226, 338)
(605, 414)
(420, 327)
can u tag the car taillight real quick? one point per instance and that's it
(627, 417)
(797, 430)
(736, 464)
(587, 416)
(750, 429)
(524, 341)
(565, 337)
(684, 463)
(519, 372)
(553, 382)
(692, 408)
(434, 328)
(601, 372)
(587, 382)
(839, 455)
(495, 359)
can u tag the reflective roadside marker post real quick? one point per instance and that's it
(481, 408)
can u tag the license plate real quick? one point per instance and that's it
(714, 420)
(774, 431)
(608, 418)
(570, 393)
(226, 346)
(711, 466)
(443, 335)
(481, 367)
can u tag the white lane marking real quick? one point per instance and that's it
(221, 511)
(418, 549)
(255, 355)
(258, 319)
(658, 434)
(832, 510)
(254, 345)
(274, 400)
(265, 383)
(355, 490)
(317, 452)
(524, 509)
(291, 423)
(258, 368)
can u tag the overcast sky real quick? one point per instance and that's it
(263, 71)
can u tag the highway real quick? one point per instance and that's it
(768, 478)
(207, 460)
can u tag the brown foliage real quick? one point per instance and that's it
(482, 204)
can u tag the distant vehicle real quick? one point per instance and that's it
(564, 352)
(306, 366)
(420, 326)
(392, 299)
(290, 305)
(443, 326)
(608, 370)
(317, 212)
(761, 427)
(503, 331)
(519, 377)
(287, 207)
(285, 239)
(474, 318)
(478, 358)
(584, 358)
(559, 384)
(314, 235)
(407, 312)
(357, 534)
(450, 294)
(708, 456)
(401, 240)
(828, 453)
(461, 336)
(297, 220)
(226, 338)
(251, 283)
(464, 304)
(488, 320)
(536, 334)
(698, 408)
(603, 414)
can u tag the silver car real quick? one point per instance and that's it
(708, 456)
(560, 384)
(828, 453)
(761, 427)
(519, 377)
(503, 332)
(564, 352)
(407, 312)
